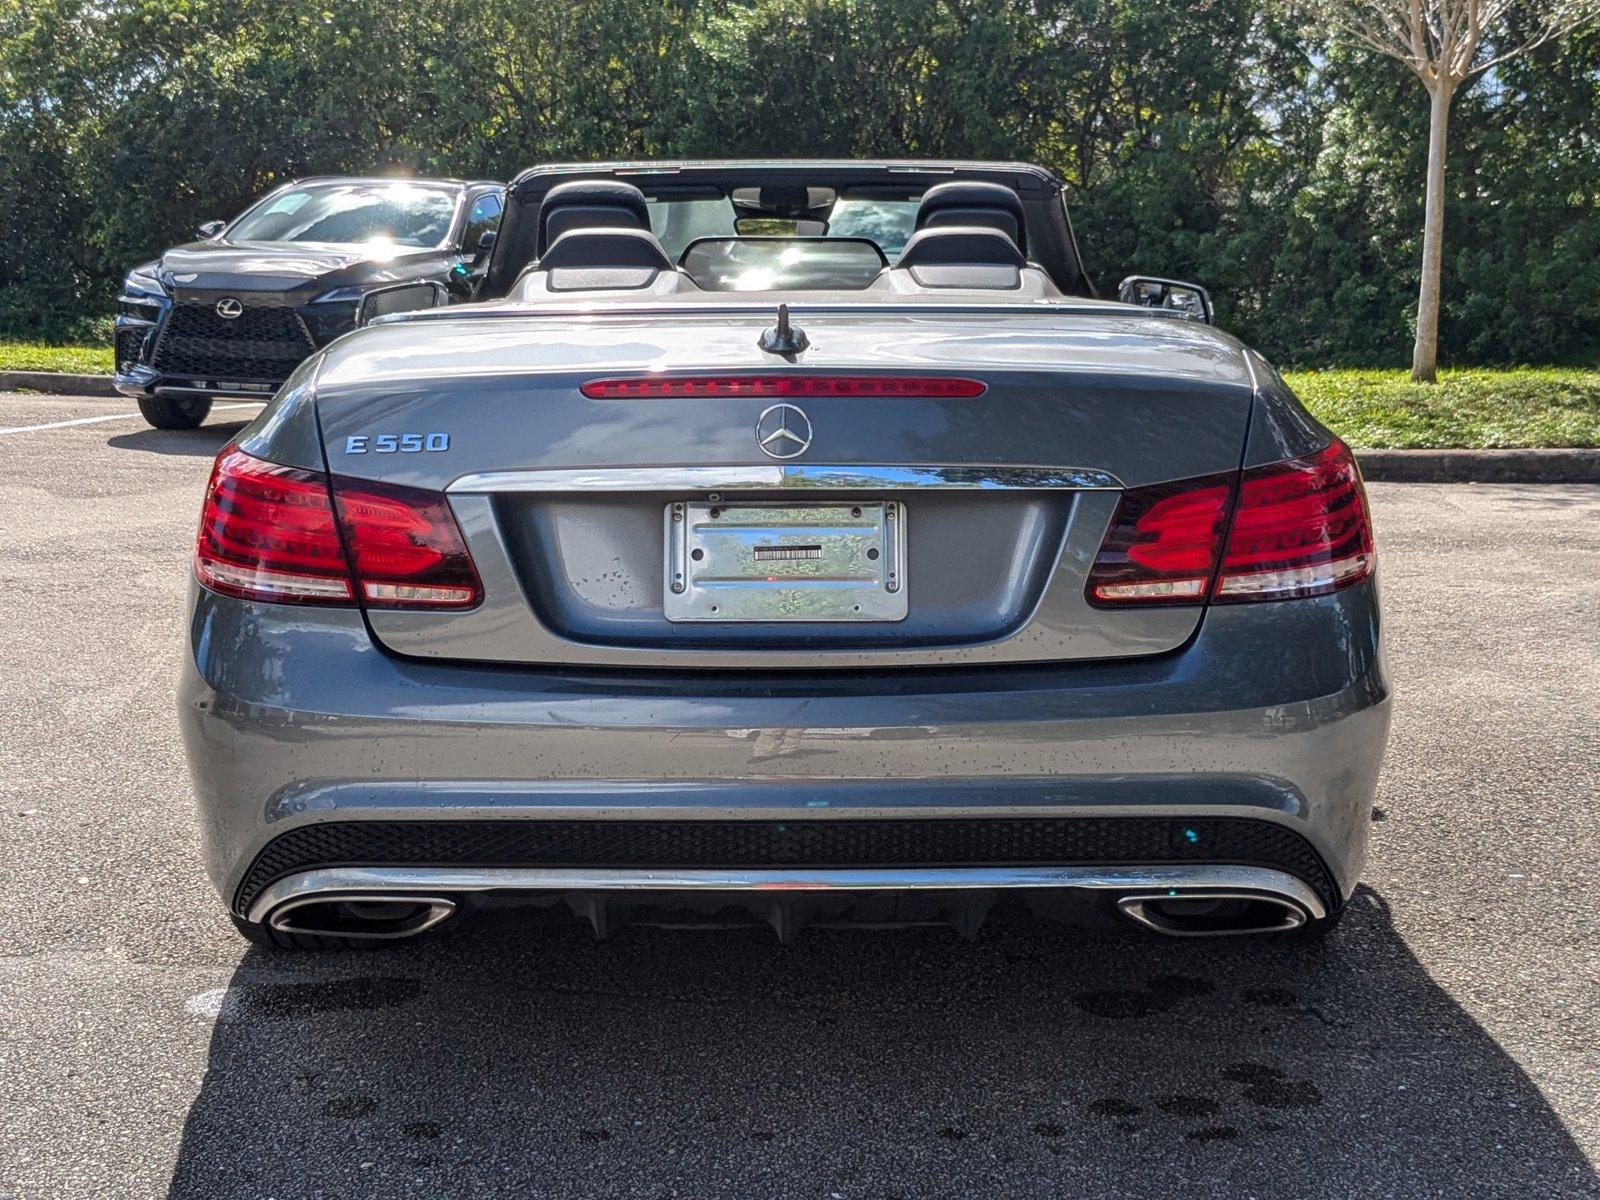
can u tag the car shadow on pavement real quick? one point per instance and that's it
(203, 442)
(506, 1060)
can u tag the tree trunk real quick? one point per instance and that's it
(1425, 355)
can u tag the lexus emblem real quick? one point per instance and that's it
(783, 431)
(229, 309)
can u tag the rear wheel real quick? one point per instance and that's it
(175, 412)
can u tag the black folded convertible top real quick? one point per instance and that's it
(1049, 236)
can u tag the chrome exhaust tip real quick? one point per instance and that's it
(362, 915)
(1212, 914)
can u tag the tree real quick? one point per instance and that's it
(1446, 43)
(1221, 140)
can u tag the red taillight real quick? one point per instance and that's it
(762, 386)
(1300, 528)
(1162, 545)
(1285, 530)
(405, 546)
(273, 533)
(267, 533)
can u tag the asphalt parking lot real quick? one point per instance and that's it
(1443, 1043)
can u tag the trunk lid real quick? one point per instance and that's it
(567, 502)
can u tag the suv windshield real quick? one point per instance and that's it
(401, 214)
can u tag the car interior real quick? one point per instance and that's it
(608, 236)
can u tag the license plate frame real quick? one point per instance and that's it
(784, 561)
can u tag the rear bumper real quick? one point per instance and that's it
(1255, 747)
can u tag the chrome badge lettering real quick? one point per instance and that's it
(397, 443)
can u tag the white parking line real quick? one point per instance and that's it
(113, 417)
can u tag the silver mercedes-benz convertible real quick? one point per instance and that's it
(788, 542)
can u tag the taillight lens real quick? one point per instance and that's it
(283, 534)
(1162, 545)
(267, 533)
(1285, 530)
(405, 546)
(762, 386)
(1300, 528)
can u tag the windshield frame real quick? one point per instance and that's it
(452, 232)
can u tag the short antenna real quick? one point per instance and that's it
(784, 338)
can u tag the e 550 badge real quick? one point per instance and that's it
(397, 443)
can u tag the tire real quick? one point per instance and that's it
(261, 935)
(175, 412)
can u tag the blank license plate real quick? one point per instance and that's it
(841, 561)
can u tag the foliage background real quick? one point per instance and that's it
(1218, 140)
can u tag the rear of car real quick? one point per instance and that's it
(949, 606)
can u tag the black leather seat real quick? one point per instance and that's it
(587, 259)
(962, 256)
(590, 204)
(961, 202)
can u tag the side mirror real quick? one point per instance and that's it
(211, 228)
(401, 298)
(1188, 300)
(486, 241)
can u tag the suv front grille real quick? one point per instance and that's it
(945, 842)
(262, 344)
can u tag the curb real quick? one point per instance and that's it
(57, 383)
(1480, 466)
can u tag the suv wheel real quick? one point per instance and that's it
(175, 412)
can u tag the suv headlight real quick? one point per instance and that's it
(141, 282)
(344, 295)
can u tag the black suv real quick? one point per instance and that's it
(235, 313)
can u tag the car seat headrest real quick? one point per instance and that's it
(585, 259)
(590, 204)
(963, 202)
(962, 256)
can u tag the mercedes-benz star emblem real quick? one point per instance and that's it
(783, 431)
(228, 308)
